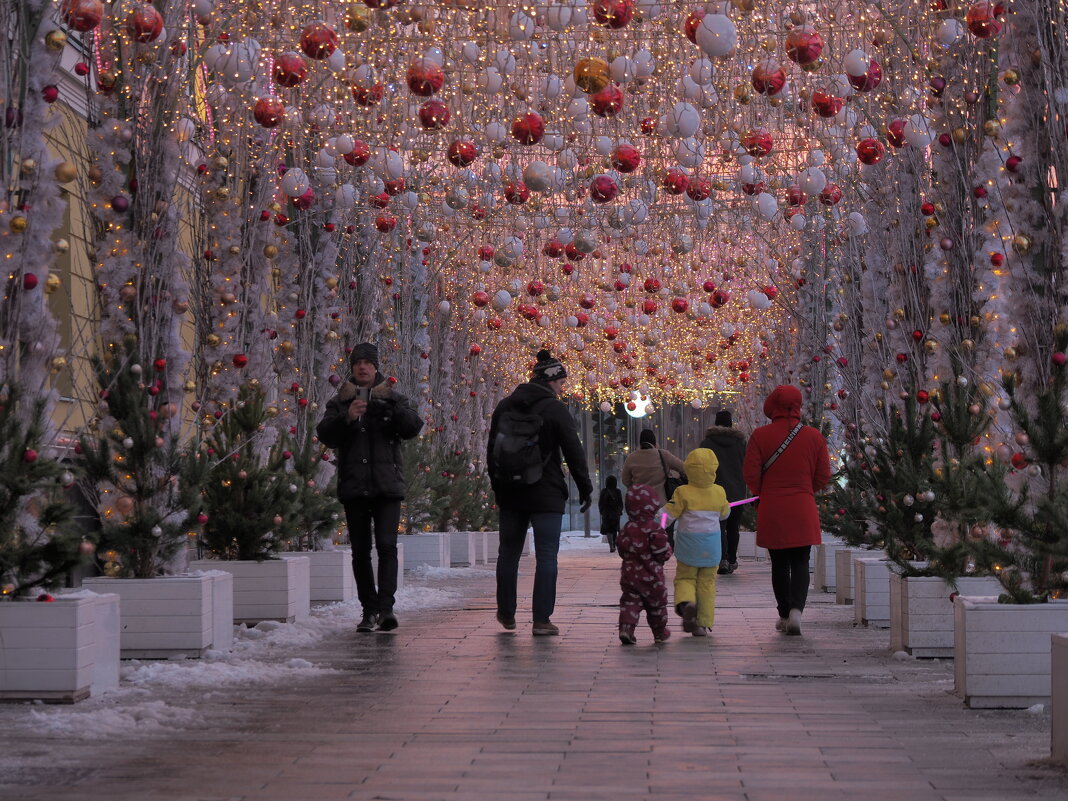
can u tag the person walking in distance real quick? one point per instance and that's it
(610, 505)
(365, 423)
(728, 444)
(786, 464)
(529, 431)
(698, 506)
(643, 545)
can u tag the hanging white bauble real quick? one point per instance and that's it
(553, 141)
(295, 182)
(644, 63)
(816, 158)
(748, 174)
(426, 231)
(565, 236)
(520, 27)
(949, 32)
(470, 53)
(623, 70)
(567, 160)
(812, 181)
(603, 145)
(444, 307)
(490, 81)
(857, 224)
(689, 152)
(606, 407)
(484, 267)
(558, 16)
(457, 198)
(435, 55)
(684, 120)
(346, 196)
(502, 300)
(798, 222)
(496, 132)
(364, 76)
(702, 71)
(504, 61)
(766, 205)
(185, 129)
(682, 244)
(916, 132)
(551, 87)
(410, 200)
(585, 241)
(322, 116)
(537, 176)
(716, 35)
(856, 63)
(336, 61)
(758, 300)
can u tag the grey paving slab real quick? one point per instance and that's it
(450, 708)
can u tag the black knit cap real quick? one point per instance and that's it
(365, 351)
(548, 368)
(724, 418)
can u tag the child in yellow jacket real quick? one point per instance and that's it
(698, 506)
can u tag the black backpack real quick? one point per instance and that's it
(517, 456)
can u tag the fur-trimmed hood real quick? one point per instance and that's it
(382, 389)
(724, 431)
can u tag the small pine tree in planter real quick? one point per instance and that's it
(131, 469)
(38, 543)
(247, 495)
(315, 507)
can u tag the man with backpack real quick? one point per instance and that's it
(529, 431)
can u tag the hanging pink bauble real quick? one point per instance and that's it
(462, 152)
(870, 151)
(804, 45)
(434, 115)
(528, 129)
(144, 23)
(626, 158)
(289, 70)
(608, 102)
(318, 40)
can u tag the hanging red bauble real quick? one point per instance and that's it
(29, 455)
(698, 189)
(528, 129)
(361, 152)
(830, 195)
(480, 298)
(434, 115)
(769, 77)
(626, 158)
(675, 182)
(982, 19)
(516, 193)
(29, 281)
(240, 360)
(269, 112)
(385, 223)
(794, 195)
(613, 14)
(693, 20)
(680, 305)
(608, 102)
(804, 45)
(573, 253)
(718, 299)
(474, 350)
(603, 189)
(870, 151)
(535, 288)
(649, 306)
(379, 201)
(825, 104)
(462, 152)
(753, 189)
(318, 40)
(869, 80)
(367, 96)
(553, 249)
(895, 133)
(587, 301)
(82, 15)
(651, 285)
(394, 187)
(757, 142)
(144, 23)
(425, 77)
(709, 286)
(289, 70)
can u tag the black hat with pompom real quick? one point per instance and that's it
(548, 368)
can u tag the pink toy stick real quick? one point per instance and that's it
(746, 500)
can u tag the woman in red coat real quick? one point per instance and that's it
(788, 523)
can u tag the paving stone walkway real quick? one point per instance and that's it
(451, 708)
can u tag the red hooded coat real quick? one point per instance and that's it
(786, 516)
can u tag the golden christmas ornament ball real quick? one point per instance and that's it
(52, 283)
(65, 172)
(55, 40)
(1021, 243)
(270, 251)
(18, 224)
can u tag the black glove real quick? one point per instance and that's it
(584, 503)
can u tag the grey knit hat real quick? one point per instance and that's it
(548, 368)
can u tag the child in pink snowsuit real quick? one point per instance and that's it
(643, 544)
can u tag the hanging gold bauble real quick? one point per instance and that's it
(190, 386)
(271, 411)
(944, 318)
(357, 17)
(57, 364)
(212, 340)
(1021, 243)
(65, 172)
(18, 224)
(1009, 353)
(286, 346)
(52, 283)
(1011, 77)
(991, 127)
(55, 40)
(61, 245)
(591, 74)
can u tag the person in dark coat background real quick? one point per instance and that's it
(539, 505)
(610, 505)
(367, 436)
(728, 444)
(788, 522)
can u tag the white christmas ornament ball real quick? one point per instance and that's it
(917, 132)
(502, 300)
(856, 63)
(949, 32)
(537, 176)
(767, 205)
(295, 182)
(716, 35)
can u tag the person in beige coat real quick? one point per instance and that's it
(644, 466)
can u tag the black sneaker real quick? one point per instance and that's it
(508, 623)
(724, 567)
(367, 623)
(387, 621)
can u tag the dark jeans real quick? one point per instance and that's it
(384, 515)
(513, 525)
(789, 577)
(729, 536)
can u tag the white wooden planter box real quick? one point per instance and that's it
(921, 612)
(62, 651)
(275, 589)
(1002, 652)
(844, 557)
(871, 585)
(331, 575)
(823, 575)
(1059, 698)
(426, 549)
(171, 616)
(462, 548)
(481, 547)
(747, 547)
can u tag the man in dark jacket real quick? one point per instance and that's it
(365, 422)
(729, 446)
(539, 504)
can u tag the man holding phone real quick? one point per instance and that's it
(365, 423)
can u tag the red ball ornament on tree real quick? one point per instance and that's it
(982, 19)
(269, 112)
(318, 40)
(693, 20)
(626, 158)
(608, 102)
(29, 455)
(474, 350)
(830, 195)
(528, 129)
(649, 306)
(603, 189)
(368, 96)
(1059, 358)
(699, 189)
(870, 151)
(804, 46)
(794, 195)
(82, 15)
(240, 360)
(385, 223)
(159, 365)
(613, 14)
(1019, 461)
(869, 80)
(144, 23)
(922, 396)
(535, 288)
(757, 142)
(434, 115)
(680, 305)
(50, 94)
(718, 299)
(825, 104)
(29, 281)
(675, 182)
(289, 70)
(553, 249)
(769, 77)
(480, 298)
(516, 193)
(648, 126)
(462, 152)
(651, 285)
(997, 259)
(1012, 163)
(895, 133)
(709, 286)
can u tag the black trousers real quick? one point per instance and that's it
(729, 536)
(789, 577)
(382, 517)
